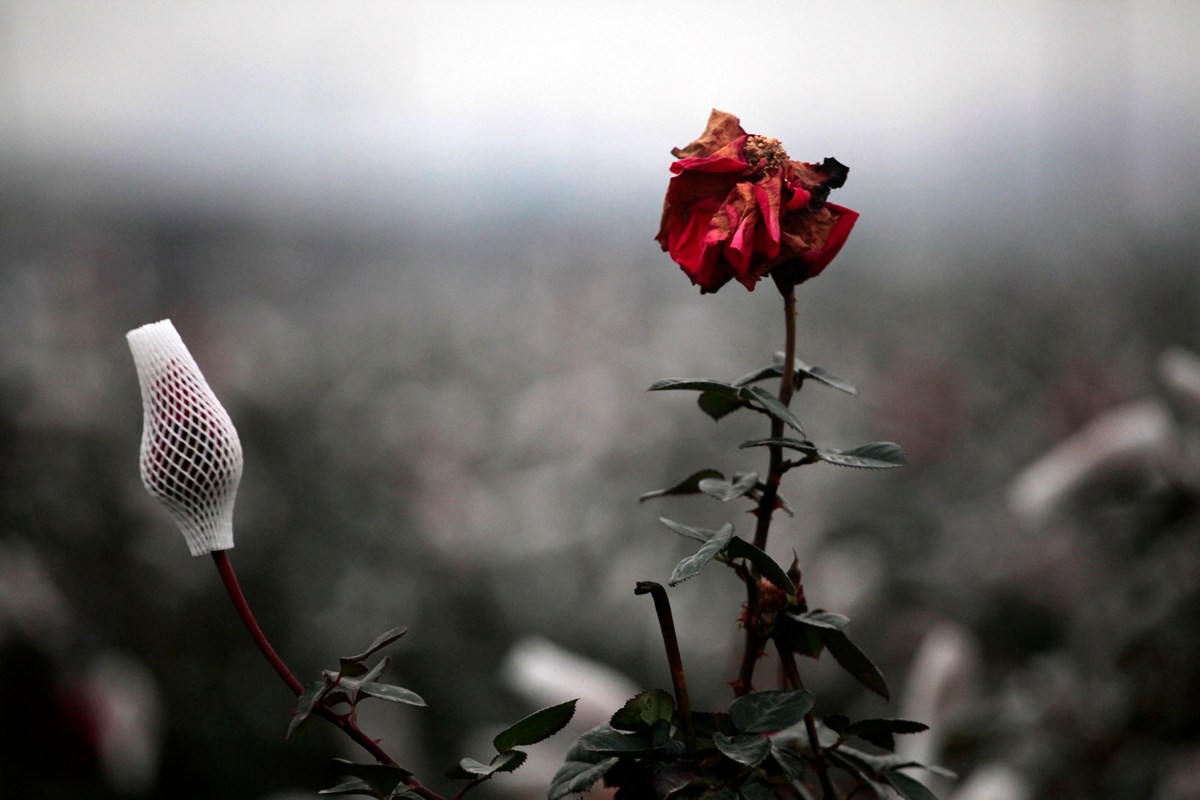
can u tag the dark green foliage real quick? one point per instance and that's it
(770, 711)
(352, 681)
(689, 485)
(802, 371)
(371, 780)
(535, 728)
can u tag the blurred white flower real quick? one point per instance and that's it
(994, 782)
(942, 681)
(545, 674)
(191, 459)
(1179, 370)
(127, 715)
(1135, 442)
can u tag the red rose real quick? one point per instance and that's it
(738, 208)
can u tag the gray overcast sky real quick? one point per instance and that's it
(301, 99)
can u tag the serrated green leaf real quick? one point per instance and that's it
(641, 712)
(826, 377)
(861, 772)
(770, 711)
(668, 779)
(768, 567)
(381, 641)
(689, 485)
(756, 790)
(909, 788)
(536, 727)
(717, 405)
(391, 693)
(699, 534)
(723, 490)
(803, 445)
(690, 385)
(793, 763)
(802, 371)
(605, 741)
(877, 455)
(691, 566)
(822, 619)
(576, 777)
(306, 703)
(750, 749)
(352, 787)
(352, 684)
(773, 371)
(854, 661)
(509, 760)
(771, 404)
(724, 793)
(469, 769)
(804, 639)
(381, 778)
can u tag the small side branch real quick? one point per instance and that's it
(666, 623)
(343, 721)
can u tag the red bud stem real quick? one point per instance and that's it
(343, 721)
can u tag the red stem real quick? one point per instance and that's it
(234, 590)
(343, 721)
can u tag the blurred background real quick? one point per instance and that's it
(411, 246)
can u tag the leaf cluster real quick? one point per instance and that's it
(534, 728)
(354, 680)
(766, 740)
(749, 752)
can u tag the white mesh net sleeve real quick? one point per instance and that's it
(191, 458)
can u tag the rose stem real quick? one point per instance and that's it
(788, 659)
(229, 578)
(766, 503)
(662, 607)
(348, 725)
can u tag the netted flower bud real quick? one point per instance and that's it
(191, 458)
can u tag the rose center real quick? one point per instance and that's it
(758, 148)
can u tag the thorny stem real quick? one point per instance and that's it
(662, 607)
(770, 495)
(344, 721)
(788, 659)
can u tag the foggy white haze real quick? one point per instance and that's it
(411, 245)
(436, 112)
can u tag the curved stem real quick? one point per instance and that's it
(343, 721)
(666, 622)
(234, 590)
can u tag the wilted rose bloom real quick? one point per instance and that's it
(739, 208)
(191, 457)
